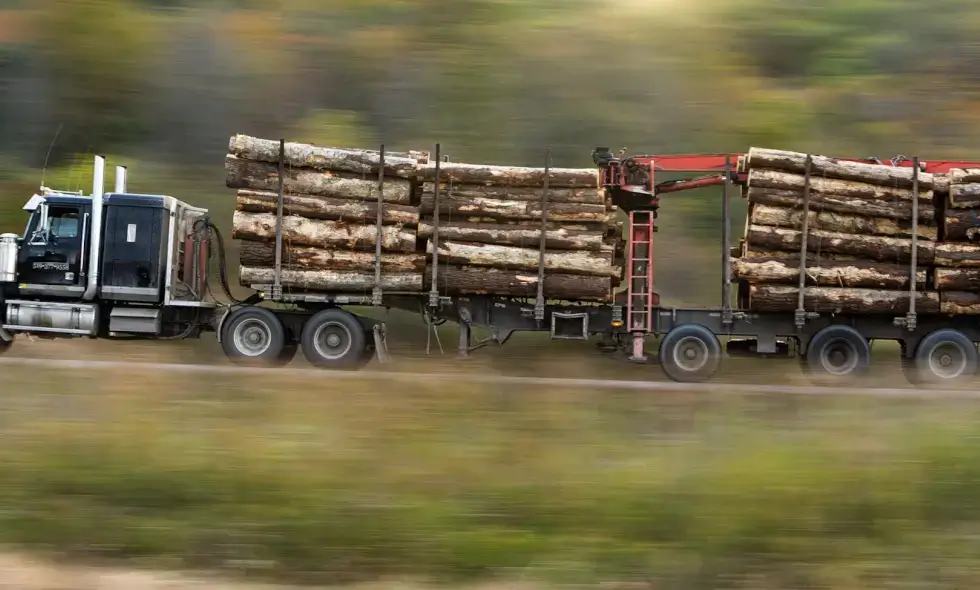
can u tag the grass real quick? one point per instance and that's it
(302, 481)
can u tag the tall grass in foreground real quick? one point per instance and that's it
(362, 480)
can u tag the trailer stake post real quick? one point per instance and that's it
(539, 304)
(910, 317)
(800, 316)
(376, 292)
(277, 283)
(433, 291)
(726, 262)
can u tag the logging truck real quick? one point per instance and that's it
(136, 266)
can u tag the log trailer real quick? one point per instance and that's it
(136, 266)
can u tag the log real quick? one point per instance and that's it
(957, 255)
(795, 162)
(941, 184)
(304, 155)
(963, 175)
(455, 280)
(261, 176)
(822, 258)
(959, 303)
(592, 226)
(963, 196)
(856, 274)
(956, 279)
(840, 222)
(837, 300)
(961, 225)
(775, 179)
(306, 258)
(301, 231)
(325, 208)
(484, 233)
(517, 210)
(514, 258)
(344, 281)
(511, 175)
(589, 196)
(894, 250)
(840, 204)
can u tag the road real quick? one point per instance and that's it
(478, 378)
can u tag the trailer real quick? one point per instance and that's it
(124, 266)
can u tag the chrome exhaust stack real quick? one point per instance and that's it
(120, 180)
(95, 243)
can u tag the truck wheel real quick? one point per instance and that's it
(254, 336)
(335, 339)
(5, 346)
(837, 354)
(944, 357)
(690, 353)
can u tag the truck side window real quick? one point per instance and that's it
(63, 222)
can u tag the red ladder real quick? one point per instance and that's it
(641, 298)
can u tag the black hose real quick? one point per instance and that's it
(211, 228)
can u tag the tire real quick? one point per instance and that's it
(5, 346)
(944, 357)
(690, 353)
(335, 339)
(837, 355)
(254, 336)
(288, 354)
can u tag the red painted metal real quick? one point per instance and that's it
(716, 163)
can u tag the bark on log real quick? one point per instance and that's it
(840, 204)
(957, 255)
(962, 196)
(957, 279)
(836, 300)
(941, 184)
(482, 233)
(588, 196)
(593, 226)
(455, 280)
(306, 258)
(301, 231)
(304, 155)
(326, 208)
(822, 258)
(959, 303)
(795, 162)
(261, 176)
(857, 274)
(893, 196)
(961, 225)
(517, 210)
(514, 258)
(894, 250)
(343, 281)
(839, 222)
(512, 175)
(964, 175)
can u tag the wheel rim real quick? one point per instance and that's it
(839, 357)
(332, 340)
(252, 337)
(691, 354)
(947, 361)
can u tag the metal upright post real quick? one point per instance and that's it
(376, 293)
(910, 318)
(433, 290)
(801, 315)
(726, 261)
(277, 284)
(539, 305)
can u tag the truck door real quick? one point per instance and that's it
(52, 252)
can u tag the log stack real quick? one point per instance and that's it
(489, 231)
(859, 230)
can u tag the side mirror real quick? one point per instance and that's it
(40, 235)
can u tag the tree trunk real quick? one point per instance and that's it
(957, 279)
(839, 204)
(960, 303)
(260, 176)
(454, 280)
(795, 162)
(585, 196)
(964, 175)
(892, 196)
(857, 274)
(512, 175)
(326, 208)
(822, 258)
(894, 250)
(480, 233)
(835, 300)
(303, 155)
(517, 210)
(962, 225)
(592, 226)
(843, 223)
(301, 231)
(957, 255)
(963, 196)
(305, 258)
(514, 258)
(941, 184)
(342, 281)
